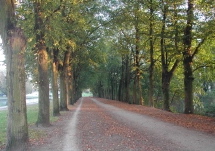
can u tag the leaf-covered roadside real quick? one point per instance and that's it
(197, 122)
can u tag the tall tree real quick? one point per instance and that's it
(196, 33)
(42, 59)
(188, 59)
(151, 47)
(166, 57)
(137, 56)
(14, 44)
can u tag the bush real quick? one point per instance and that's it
(209, 103)
(210, 110)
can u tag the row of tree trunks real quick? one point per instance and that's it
(123, 91)
(168, 68)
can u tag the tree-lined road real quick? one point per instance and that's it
(97, 126)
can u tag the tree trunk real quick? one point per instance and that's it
(70, 85)
(64, 82)
(166, 76)
(137, 85)
(42, 56)
(187, 61)
(56, 106)
(121, 89)
(151, 67)
(166, 73)
(43, 82)
(121, 82)
(165, 89)
(188, 85)
(14, 44)
(63, 91)
(17, 129)
(127, 80)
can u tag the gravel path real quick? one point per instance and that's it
(70, 141)
(169, 134)
(97, 125)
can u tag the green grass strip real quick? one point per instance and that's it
(32, 113)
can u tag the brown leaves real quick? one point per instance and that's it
(192, 121)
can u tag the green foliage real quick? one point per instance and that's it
(101, 34)
(208, 101)
(210, 110)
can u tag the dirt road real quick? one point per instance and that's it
(95, 125)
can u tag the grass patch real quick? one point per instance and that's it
(32, 113)
(3, 125)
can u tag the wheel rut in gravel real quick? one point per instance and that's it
(70, 141)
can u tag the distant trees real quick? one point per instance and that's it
(156, 39)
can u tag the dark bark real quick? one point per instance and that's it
(121, 89)
(64, 100)
(70, 85)
(166, 77)
(55, 64)
(63, 91)
(151, 67)
(127, 79)
(75, 84)
(187, 61)
(121, 82)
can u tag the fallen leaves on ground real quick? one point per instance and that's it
(192, 121)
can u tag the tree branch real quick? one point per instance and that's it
(203, 66)
(197, 48)
(174, 66)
